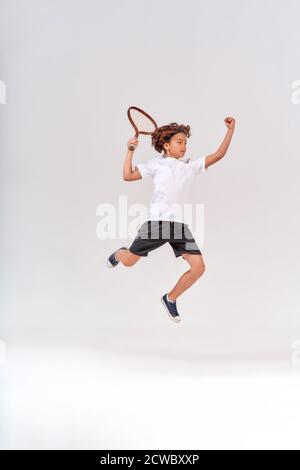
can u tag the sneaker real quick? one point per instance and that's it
(171, 309)
(112, 262)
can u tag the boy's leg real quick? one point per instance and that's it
(126, 257)
(189, 277)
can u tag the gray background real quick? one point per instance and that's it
(71, 70)
(91, 354)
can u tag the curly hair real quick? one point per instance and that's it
(164, 133)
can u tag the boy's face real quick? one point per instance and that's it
(176, 147)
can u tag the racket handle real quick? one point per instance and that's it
(131, 147)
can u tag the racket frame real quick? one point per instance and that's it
(137, 132)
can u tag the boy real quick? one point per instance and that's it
(171, 173)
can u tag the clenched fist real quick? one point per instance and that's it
(132, 143)
(230, 122)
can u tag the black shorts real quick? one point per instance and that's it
(155, 233)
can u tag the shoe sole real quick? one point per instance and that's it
(172, 318)
(109, 265)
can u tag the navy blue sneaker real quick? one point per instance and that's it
(112, 262)
(171, 309)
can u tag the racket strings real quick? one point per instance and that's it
(142, 122)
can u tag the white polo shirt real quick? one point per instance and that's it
(172, 181)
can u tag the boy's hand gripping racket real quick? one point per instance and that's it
(141, 122)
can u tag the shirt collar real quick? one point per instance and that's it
(183, 159)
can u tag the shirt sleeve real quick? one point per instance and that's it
(197, 166)
(146, 169)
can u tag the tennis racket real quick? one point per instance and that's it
(141, 122)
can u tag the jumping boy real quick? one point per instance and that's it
(171, 173)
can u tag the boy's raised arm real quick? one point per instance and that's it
(215, 157)
(128, 174)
